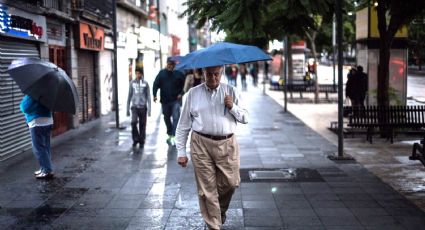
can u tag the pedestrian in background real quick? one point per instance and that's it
(171, 83)
(139, 102)
(243, 71)
(211, 111)
(194, 79)
(228, 73)
(39, 120)
(254, 73)
(234, 75)
(356, 87)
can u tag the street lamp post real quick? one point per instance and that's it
(115, 75)
(159, 31)
(285, 82)
(340, 155)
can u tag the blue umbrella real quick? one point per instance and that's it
(222, 53)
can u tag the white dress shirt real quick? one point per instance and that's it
(204, 112)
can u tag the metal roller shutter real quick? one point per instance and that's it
(14, 135)
(86, 86)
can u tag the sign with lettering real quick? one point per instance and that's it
(18, 23)
(91, 37)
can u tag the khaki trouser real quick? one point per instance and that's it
(216, 165)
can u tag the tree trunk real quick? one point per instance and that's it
(383, 67)
(290, 66)
(312, 38)
(384, 57)
(316, 82)
(383, 73)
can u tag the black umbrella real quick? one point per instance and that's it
(46, 83)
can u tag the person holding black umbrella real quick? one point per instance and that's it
(40, 122)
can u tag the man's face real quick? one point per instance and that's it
(170, 66)
(213, 76)
(138, 75)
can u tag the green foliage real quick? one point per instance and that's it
(258, 21)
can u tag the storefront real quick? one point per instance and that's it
(90, 42)
(21, 34)
(148, 53)
(57, 55)
(105, 74)
(126, 66)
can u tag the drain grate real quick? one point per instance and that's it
(284, 174)
(280, 175)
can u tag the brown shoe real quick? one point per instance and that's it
(44, 176)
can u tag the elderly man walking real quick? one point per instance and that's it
(211, 111)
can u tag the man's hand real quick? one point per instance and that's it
(228, 102)
(155, 99)
(179, 96)
(182, 161)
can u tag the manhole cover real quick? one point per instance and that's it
(280, 174)
(284, 174)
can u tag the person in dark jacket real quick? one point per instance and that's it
(356, 87)
(40, 122)
(171, 83)
(139, 97)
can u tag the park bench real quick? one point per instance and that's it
(304, 87)
(418, 152)
(388, 118)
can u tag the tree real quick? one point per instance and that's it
(392, 15)
(259, 21)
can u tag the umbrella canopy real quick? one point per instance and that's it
(46, 83)
(222, 53)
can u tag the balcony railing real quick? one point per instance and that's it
(55, 4)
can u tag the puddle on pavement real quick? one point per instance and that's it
(79, 167)
(40, 216)
(52, 186)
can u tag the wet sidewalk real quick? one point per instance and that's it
(287, 182)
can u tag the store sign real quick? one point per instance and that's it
(367, 25)
(18, 23)
(91, 37)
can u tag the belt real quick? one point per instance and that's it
(216, 138)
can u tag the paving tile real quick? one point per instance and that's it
(340, 221)
(369, 211)
(259, 204)
(260, 212)
(293, 204)
(327, 204)
(334, 212)
(301, 221)
(362, 204)
(263, 221)
(297, 212)
(378, 220)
